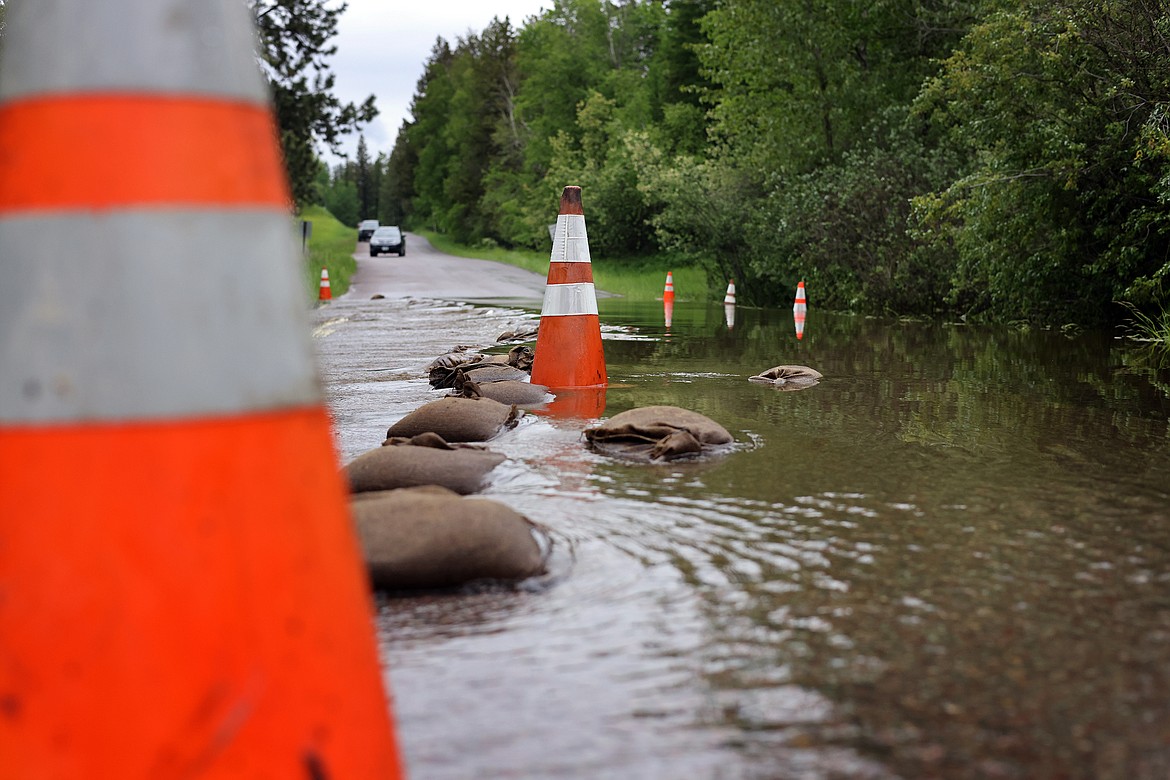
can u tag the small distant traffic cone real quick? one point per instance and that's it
(568, 344)
(729, 305)
(668, 299)
(798, 311)
(326, 293)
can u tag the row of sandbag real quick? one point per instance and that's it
(409, 498)
(415, 524)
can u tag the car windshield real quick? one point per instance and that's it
(386, 232)
(370, 223)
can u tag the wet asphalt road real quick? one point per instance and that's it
(424, 272)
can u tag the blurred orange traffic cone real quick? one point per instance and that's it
(181, 592)
(730, 296)
(326, 293)
(798, 310)
(568, 344)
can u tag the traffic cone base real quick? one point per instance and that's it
(576, 343)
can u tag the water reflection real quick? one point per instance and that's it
(959, 537)
(948, 559)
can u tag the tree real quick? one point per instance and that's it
(294, 47)
(366, 192)
(395, 197)
(1060, 104)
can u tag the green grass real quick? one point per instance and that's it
(529, 260)
(331, 246)
(639, 279)
(1143, 327)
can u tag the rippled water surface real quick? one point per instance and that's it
(951, 558)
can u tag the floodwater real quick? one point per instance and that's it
(949, 559)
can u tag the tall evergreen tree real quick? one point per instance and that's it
(395, 197)
(364, 172)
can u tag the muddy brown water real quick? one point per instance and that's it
(949, 559)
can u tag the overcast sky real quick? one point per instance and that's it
(382, 46)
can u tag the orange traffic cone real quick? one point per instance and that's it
(798, 310)
(181, 592)
(326, 293)
(730, 296)
(568, 345)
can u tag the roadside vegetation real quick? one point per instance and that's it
(991, 161)
(331, 246)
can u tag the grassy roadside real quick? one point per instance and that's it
(331, 246)
(640, 279)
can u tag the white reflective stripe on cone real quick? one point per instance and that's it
(218, 325)
(566, 300)
(179, 47)
(571, 244)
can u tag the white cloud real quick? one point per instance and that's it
(382, 47)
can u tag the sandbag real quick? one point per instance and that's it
(657, 433)
(433, 538)
(480, 371)
(515, 364)
(452, 359)
(509, 391)
(521, 333)
(520, 357)
(423, 460)
(788, 377)
(457, 419)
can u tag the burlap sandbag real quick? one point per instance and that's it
(457, 419)
(423, 460)
(521, 333)
(788, 377)
(517, 393)
(519, 357)
(506, 392)
(432, 538)
(515, 364)
(657, 433)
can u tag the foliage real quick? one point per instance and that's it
(981, 158)
(1063, 206)
(293, 38)
(341, 200)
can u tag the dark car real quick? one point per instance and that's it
(387, 240)
(366, 229)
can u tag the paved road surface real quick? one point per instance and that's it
(426, 272)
